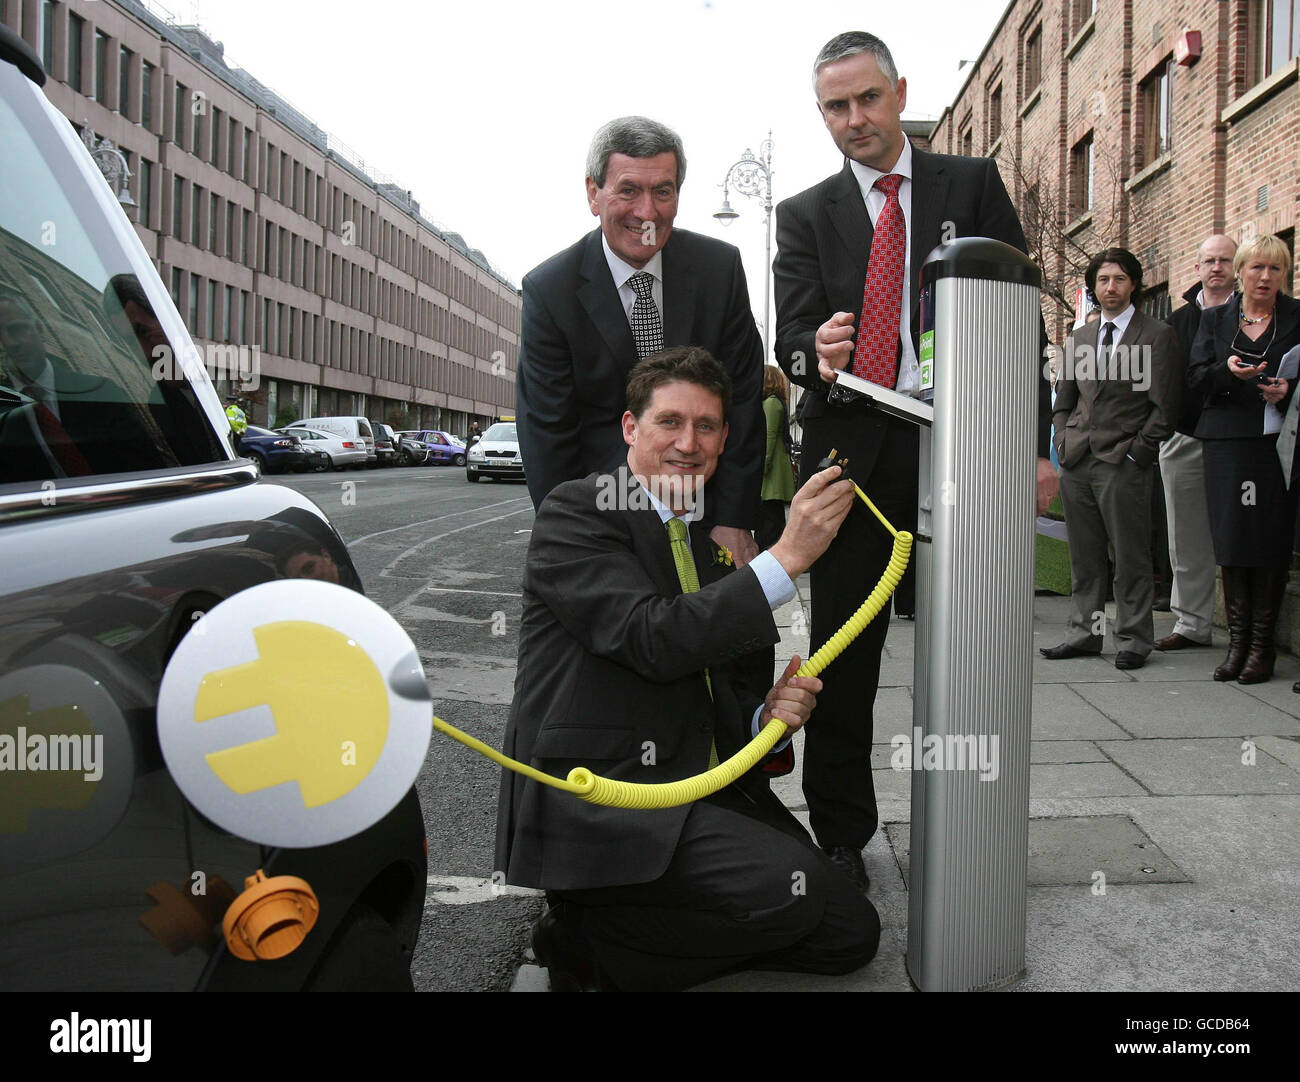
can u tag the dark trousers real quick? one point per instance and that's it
(745, 889)
(837, 780)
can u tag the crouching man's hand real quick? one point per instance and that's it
(793, 698)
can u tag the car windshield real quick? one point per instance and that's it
(90, 380)
(502, 432)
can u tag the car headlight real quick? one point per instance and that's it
(477, 456)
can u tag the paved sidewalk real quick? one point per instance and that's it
(1138, 775)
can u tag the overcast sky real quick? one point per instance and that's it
(485, 109)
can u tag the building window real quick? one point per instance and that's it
(232, 219)
(176, 286)
(966, 141)
(178, 211)
(1081, 177)
(1155, 301)
(101, 67)
(214, 147)
(1032, 217)
(146, 193)
(76, 36)
(1156, 113)
(1032, 64)
(214, 211)
(248, 155)
(210, 316)
(125, 56)
(995, 114)
(178, 117)
(1273, 36)
(47, 34)
(194, 304)
(146, 94)
(1080, 12)
(196, 214)
(231, 132)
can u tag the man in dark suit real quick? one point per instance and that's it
(644, 654)
(628, 289)
(833, 274)
(1117, 396)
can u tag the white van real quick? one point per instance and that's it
(352, 428)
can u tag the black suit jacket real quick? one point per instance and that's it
(610, 676)
(1231, 408)
(823, 237)
(1186, 322)
(576, 351)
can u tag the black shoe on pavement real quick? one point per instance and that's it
(849, 861)
(1127, 659)
(1065, 650)
(564, 953)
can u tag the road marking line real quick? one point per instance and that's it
(465, 890)
(438, 537)
(483, 593)
(427, 521)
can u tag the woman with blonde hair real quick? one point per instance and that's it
(778, 473)
(1234, 370)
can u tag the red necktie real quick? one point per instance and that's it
(876, 355)
(65, 452)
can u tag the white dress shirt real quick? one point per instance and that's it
(909, 370)
(622, 271)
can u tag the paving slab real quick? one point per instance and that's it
(1064, 751)
(1207, 767)
(1209, 709)
(1061, 713)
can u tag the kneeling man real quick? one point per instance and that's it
(647, 656)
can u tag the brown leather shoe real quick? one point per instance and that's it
(1175, 641)
(1237, 605)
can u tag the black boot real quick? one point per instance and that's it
(1237, 604)
(1268, 586)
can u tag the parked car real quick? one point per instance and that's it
(443, 447)
(117, 533)
(274, 452)
(411, 451)
(337, 451)
(385, 444)
(350, 428)
(496, 454)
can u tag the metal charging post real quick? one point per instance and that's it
(974, 641)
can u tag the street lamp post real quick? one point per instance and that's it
(112, 163)
(752, 176)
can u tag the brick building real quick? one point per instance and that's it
(271, 234)
(1141, 123)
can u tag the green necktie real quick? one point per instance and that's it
(690, 583)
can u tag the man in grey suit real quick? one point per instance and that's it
(1117, 397)
(644, 653)
(625, 290)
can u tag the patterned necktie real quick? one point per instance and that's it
(647, 327)
(690, 583)
(876, 355)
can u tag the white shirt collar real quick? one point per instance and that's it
(1121, 322)
(867, 176)
(622, 270)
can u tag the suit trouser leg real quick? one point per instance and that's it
(1124, 496)
(1191, 550)
(837, 780)
(743, 890)
(1089, 566)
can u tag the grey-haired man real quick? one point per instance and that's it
(627, 289)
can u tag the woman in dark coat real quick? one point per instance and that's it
(1233, 369)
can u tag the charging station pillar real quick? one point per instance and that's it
(974, 642)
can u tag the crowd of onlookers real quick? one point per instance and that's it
(1205, 410)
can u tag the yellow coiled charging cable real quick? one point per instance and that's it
(611, 793)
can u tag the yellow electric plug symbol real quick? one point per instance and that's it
(325, 694)
(29, 785)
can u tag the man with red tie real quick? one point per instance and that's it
(849, 256)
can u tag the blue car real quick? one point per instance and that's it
(274, 452)
(444, 448)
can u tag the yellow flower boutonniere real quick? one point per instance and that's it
(722, 555)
